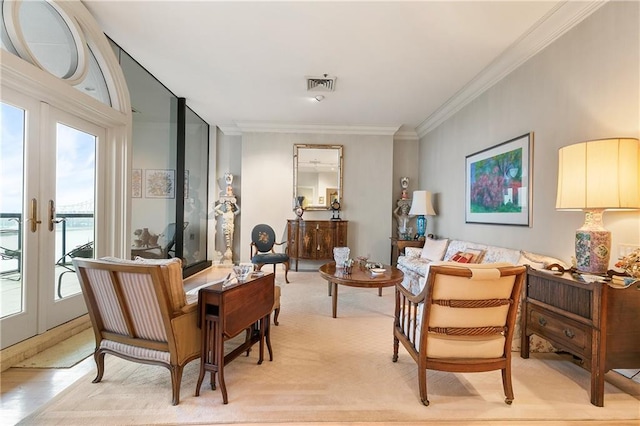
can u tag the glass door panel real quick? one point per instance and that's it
(70, 157)
(11, 214)
(74, 212)
(19, 174)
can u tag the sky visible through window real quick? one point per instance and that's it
(11, 155)
(75, 165)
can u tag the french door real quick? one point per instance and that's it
(49, 213)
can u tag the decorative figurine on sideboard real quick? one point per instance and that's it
(299, 208)
(403, 217)
(335, 208)
(404, 183)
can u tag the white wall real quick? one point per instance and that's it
(266, 190)
(583, 86)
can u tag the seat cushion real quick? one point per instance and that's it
(443, 346)
(270, 258)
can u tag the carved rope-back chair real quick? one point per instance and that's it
(462, 320)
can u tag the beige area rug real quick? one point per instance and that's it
(65, 354)
(335, 370)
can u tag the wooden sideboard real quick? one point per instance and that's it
(593, 321)
(315, 239)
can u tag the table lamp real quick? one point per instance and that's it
(421, 206)
(595, 176)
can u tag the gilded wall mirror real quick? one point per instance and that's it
(317, 175)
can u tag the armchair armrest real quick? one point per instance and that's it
(283, 243)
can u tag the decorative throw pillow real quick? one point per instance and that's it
(467, 256)
(434, 250)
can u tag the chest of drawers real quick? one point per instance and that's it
(593, 321)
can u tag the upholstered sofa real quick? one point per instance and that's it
(415, 266)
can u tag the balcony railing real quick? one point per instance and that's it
(75, 230)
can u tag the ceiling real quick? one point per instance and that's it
(399, 65)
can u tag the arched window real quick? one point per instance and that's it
(47, 36)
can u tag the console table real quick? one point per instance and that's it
(593, 321)
(315, 239)
(225, 312)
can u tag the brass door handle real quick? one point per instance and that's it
(33, 214)
(52, 216)
(542, 321)
(570, 334)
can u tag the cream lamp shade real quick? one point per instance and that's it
(595, 176)
(421, 206)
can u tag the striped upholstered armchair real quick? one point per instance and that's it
(139, 312)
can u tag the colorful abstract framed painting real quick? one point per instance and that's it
(498, 183)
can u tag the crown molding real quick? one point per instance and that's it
(230, 130)
(261, 127)
(549, 28)
(405, 135)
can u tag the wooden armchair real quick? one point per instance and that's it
(138, 311)
(462, 320)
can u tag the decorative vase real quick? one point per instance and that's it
(340, 255)
(153, 240)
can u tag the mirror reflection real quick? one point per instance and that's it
(317, 175)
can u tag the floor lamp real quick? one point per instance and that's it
(421, 206)
(595, 176)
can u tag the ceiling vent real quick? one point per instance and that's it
(321, 84)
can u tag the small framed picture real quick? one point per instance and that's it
(136, 183)
(160, 183)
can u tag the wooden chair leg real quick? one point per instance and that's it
(99, 359)
(176, 378)
(507, 385)
(422, 384)
(276, 313)
(286, 271)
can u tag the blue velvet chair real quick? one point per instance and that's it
(263, 240)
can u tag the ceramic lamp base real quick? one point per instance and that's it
(421, 225)
(593, 244)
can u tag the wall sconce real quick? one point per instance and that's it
(421, 206)
(595, 176)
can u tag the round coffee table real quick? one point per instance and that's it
(357, 278)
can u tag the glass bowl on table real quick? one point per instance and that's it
(242, 272)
